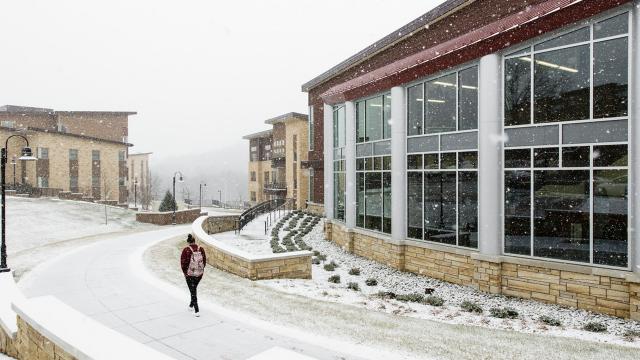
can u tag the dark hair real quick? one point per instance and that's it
(190, 239)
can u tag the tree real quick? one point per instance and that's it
(168, 203)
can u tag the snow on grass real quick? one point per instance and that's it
(388, 279)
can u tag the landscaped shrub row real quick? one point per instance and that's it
(296, 224)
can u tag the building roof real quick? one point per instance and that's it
(91, 138)
(257, 135)
(14, 109)
(430, 17)
(140, 154)
(287, 117)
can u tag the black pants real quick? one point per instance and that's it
(192, 283)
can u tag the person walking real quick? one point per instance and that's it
(192, 261)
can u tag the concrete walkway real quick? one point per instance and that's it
(103, 281)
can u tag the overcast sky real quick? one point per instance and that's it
(200, 74)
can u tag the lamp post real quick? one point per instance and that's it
(220, 198)
(27, 154)
(135, 192)
(201, 185)
(180, 179)
(14, 162)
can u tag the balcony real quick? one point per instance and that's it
(275, 188)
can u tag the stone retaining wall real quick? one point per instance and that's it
(293, 265)
(166, 218)
(315, 209)
(611, 292)
(33, 345)
(7, 344)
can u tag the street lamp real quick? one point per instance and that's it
(13, 162)
(135, 192)
(27, 154)
(180, 179)
(201, 186)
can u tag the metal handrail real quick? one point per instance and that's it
(262, 208)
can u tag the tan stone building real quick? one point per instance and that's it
(139, 185)
(275, 160)
(78, 151)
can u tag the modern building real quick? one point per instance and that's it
(276, 158)
(492, 144)
(139, 184)
(78, 151)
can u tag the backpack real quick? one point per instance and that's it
(196, 264)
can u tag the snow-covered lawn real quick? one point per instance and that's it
(390, 280)
(35, 222)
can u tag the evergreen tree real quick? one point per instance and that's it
(168, 203)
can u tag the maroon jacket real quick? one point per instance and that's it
(185, 258)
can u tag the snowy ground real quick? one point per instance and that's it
(405, 283)
(252, 238)
(407, 336)
(35, 222)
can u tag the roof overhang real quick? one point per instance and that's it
(538, 19)
(257, 135)
(287, 117)
(97, 112)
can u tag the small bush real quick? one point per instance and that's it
(353, 286)
(595, 326)
(334, 279)
(548, 320)
(413, 297)
(472, 307)
(329, 267)
(386, 295)
(322, 257)
(371, 282)
(335, 265)
(434, 300)
(315, 261)
(504, 313)
(316, 253)
(354, 271)
(631, 335)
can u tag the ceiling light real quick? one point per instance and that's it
(551, 65)
(443, 83)
(470, 87)
(436, 101)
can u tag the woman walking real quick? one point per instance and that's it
(193, 260)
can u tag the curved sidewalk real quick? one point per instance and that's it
(105, 281)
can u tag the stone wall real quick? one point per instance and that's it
(166, 218)
(605, 291)
(33, 345)
(7, 344)
(294, 265)
(315, 208)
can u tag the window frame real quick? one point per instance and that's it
(311, 130)
(338, 148)
(528, 49)
(381, 171)
(383, 95)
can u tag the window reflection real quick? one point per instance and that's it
(468, 209)
(610, 216)
(610, 78)
(374, 119)
(468, 99)
(414, 205)
(517, 212)
(440, 207)
(441, 105)
(415, 108)
(517, 92)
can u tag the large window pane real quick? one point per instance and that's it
(373, 202)
(517, 91)
(414, 205)
(517, 212)
(360, 199)
(573, 37)
(339, 192)
(468, 209)
(440, 207)
(517, 158)
(616, 25)
(561, 85)
(360, 127)
(386, 125)
(342, 133)
(575, 156)
(546, 157)
(468, 99)
(441, 105)
(386, 197)
(415, 108)
(610, 78)
(561, 214)
(374, 119)
(610, 155)
(610, 193)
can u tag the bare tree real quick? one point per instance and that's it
(148, 192)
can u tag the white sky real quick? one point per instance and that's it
(200, 74)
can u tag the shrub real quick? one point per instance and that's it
(168, 203)
(371, 282)
(315, 261)
(329, 267)
(322, 257)
(316, 253)
(504, 313)
(551, 321)
(334, 279)
(386, 294)
(353, 286)
(354, 271)
(434, 300)
(472, 307)
(595, 326)
(413, 297)
(631, 335)
(335, 265)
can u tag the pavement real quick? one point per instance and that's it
(107, 282)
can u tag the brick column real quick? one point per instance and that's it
(328, 160)
(350, 164)
(398, 163)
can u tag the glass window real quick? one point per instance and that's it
(610, 216)
(468, 160)
(616, 25)
(431, 161)
(414, 162)
(610, 155)
(359, 164)
(339, 195)
(517, 91)
(415, 108)
(386, 163)
(339, 129)
(610, 78)
(561, 85)
(468, 99)
(373, 197)
(517, 212)
(517, 158)
(573, 37)
(441, 105)
(440, 207)
(448, 160)
(386, 124)
(360, 119)
(360, 199)
(311, 131)
(373, 202)
(414, 205)
(561, 214)
(468, 209)
(73, 154)
(545, 157)
(95, 155)
(386, 199)
(575, 156)
(374, 119)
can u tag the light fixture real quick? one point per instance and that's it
(551, 65)
(469, 87)
(375, 105)
(27, 154)
(442, 83)
(436, 101)
(420, 100)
